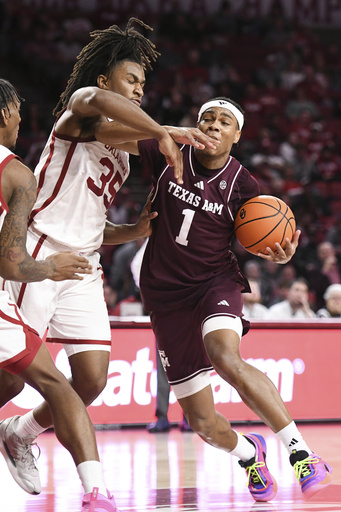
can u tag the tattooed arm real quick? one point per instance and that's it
(19, 190)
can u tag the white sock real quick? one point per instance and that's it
(292, 439)
(244, 450)
(91, 475)
(28, 427)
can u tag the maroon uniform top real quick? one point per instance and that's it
(192, 235)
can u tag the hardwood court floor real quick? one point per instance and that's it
(175, 472)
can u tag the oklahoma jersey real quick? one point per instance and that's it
(95, 171)
(192, 235)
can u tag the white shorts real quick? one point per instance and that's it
(74, 312)
(19, 343)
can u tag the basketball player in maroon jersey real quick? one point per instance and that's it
(192, 285)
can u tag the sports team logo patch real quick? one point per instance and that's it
(223, 184)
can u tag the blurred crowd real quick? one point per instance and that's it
(286, 76)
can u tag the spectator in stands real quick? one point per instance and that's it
(296, 305)
(328, 165)
(300, 103)
(110, 296)
(332, 299)
(252, 307)
(325, 271)
(333, 234)
(253, 270)
(329, 264)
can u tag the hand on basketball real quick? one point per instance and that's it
(282, 255)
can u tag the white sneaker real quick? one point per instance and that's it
(19, 457)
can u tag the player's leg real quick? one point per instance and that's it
(70, 419)
(188, 369)
(255, 389)
(216, 430)
(10, 387)
(262, 397)
(72, 425)
(89, 373)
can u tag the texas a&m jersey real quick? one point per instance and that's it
(192, 235)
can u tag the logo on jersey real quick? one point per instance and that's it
(164, 359)
(200, 185)
(223, 184)
(223, 303)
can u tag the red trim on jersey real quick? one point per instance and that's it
(21, 361)
(59, 181)
(78, 342)
(34, 255)
(47, 163)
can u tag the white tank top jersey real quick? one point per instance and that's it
(77, 181)
(5, 156)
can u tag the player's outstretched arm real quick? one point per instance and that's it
(99, 104)
(282, 256)
(122, 233)
(19, 189)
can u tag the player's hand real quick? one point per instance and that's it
(143, 226)
(173, 155)
(282, 256)
(192, 136)
(67, 265)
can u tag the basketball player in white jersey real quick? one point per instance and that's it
(22, 352)
(191, 283)
(78, 176)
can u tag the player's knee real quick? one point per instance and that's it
(231, 369)
(89, 388)
(11, 390)
(204, 426)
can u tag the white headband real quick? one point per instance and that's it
(223, 104)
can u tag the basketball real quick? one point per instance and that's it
(262, 221)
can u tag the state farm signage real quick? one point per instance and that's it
(298, 362)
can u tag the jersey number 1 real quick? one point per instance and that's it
(185, 227)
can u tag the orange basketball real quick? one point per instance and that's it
(262, 221)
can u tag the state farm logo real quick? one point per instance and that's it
(134, 382)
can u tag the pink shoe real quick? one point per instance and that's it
(96, 502)
(260, 482)
(311, 471)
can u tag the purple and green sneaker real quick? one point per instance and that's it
(312, 473)
(260, 482)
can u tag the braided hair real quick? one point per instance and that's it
(8, 95)
(107, 48)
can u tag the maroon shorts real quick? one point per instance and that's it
(179, 332)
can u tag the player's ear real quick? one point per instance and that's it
(3, 116)
(102, 81)
(237, 136)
